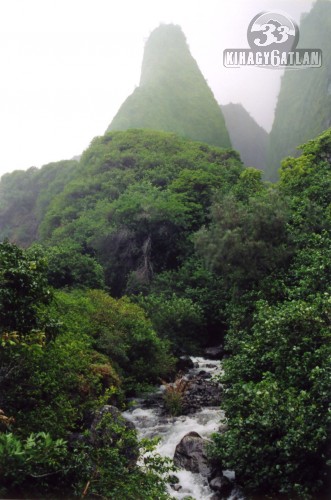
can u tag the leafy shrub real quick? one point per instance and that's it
(118, 329)
(177, 319)
(68, 267)
(24, 289)
(278, 400)
(41, 466)
(34, 464)
(117, 465)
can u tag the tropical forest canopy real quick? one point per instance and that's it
(156, 243)
(149, 247)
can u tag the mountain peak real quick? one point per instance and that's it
(165, 48)
(173, 95)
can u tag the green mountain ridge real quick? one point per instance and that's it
(173, 95)
(247, 137)
(83, 203)
(199, 251)
(303, 109)
(150, 247)
(25, 196)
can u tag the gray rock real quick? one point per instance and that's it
(222, 485)
(190, 454)
(184, 364)
(176, 487)
(201, 392)
(108, 427)
(237, 493)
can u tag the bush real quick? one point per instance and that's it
(176, 319)
(40, 466)
(31, 465)
(69, 267)
(118, 329)
(278, 400)
(173, 396)
(112, 463)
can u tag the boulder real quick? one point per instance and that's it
(190, 454)
(237, 493)
(98, 431)
(109, 427)
(176, 487)
(200, 393)
(173, 479)
(184, 364)
(222, 485)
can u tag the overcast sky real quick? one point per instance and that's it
(67, 66)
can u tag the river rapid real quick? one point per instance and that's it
(151, 422)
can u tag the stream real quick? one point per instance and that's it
(150, 421)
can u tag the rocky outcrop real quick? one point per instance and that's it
(247, 136)
(191, 454)
(184, 364)
(303, 109)
(99, 432)
(108, 428)
(201, 391)
(188, 393)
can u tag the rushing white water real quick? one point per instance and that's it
(150, 423)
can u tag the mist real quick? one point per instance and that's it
(68, 66)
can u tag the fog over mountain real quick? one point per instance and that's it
(173, 94)
(68, 66)
(304, 104)
(246, 136)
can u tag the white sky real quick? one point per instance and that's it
(67, 66)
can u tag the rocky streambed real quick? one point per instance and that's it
(185, 437)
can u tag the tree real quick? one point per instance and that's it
(67, 266)
(177, 319)
(277, 379)
(24, 290)
(246, 241)
(277, 400)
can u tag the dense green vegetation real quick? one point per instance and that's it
(304, 103)
(24, 197)
(150, 247)
(278, 375)
(63, 355)
(173, 94)
(136, 199)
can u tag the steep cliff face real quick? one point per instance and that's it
(304, 104)
(173, 94)
(246, 136)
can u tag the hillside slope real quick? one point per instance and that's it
(25, 196)
(304, 104)
(173, 94)
(246, 135)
